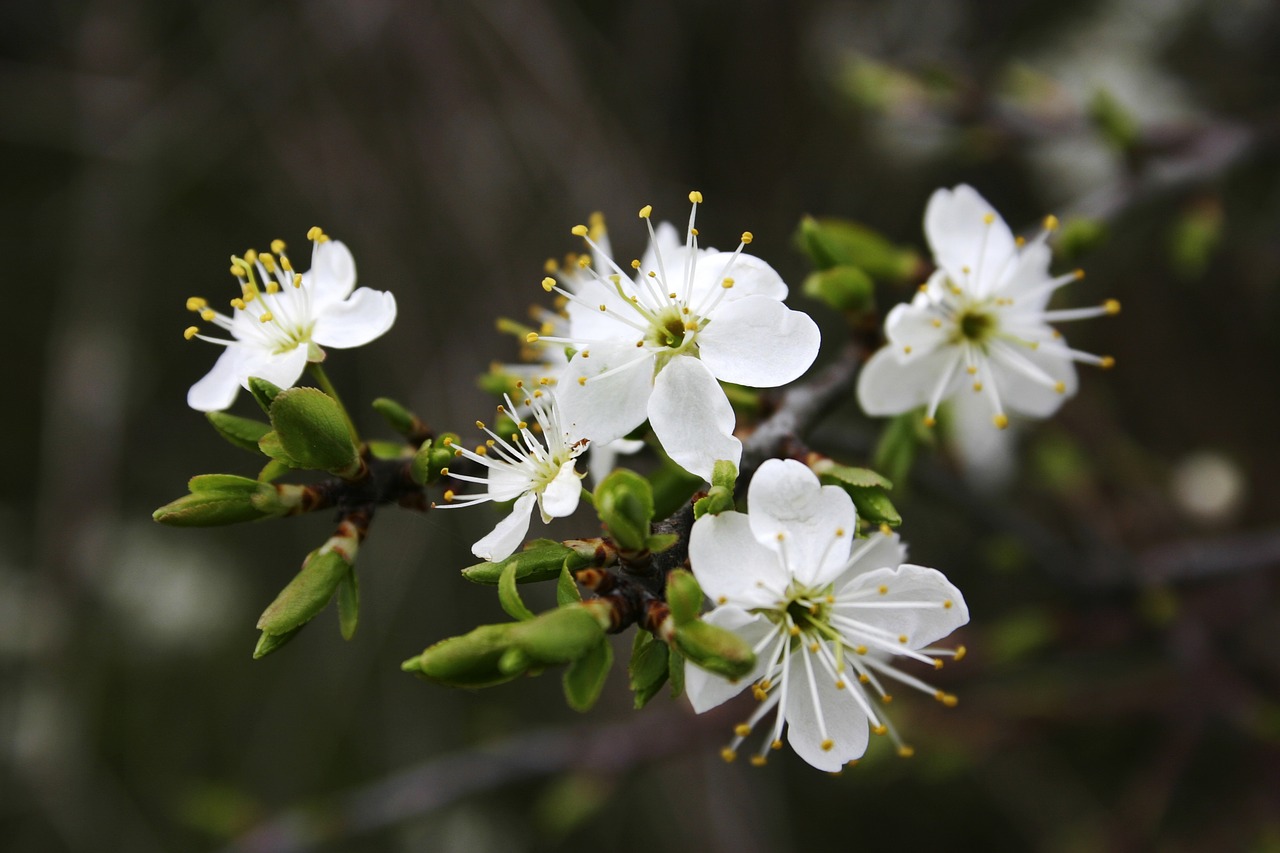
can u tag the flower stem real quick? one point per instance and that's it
(322, 379)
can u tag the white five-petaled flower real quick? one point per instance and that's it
(826, 614)
(525, 469)
(980, 323)
(656, 345)
(283, 318)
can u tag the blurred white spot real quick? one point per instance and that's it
(1208, 486)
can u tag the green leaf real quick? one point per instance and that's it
(647, 671)
(836, 242)
(222, 483)
(385, 449)
(567, 591)
(509, 596)
(541, 560)
(873, 505)
(844, 288)
(272, 471)
(242, 432)
(833, 473)
(263, 392)
(585, 677)
(471, 660)
(397, 416)
(675, 672)
(268, 642)
(271, 446)
(312, 429)
(624, 502)
(307, 594)
(209, 509)
(349, 604)
(684, 596)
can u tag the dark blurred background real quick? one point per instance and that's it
(1121, 691)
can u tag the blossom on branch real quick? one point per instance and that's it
(980, 324)
(655, 345)
(282, 319)
(524, 469)
(825, 612)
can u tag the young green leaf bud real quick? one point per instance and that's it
(307, 594)
(209, 509)
(242, 432)
(313, 430)
(471, 660)
(844, 288)
(624, 502)
(264, 392)
(541, 560)
(684, 596)
(585, 677)
(558, 636)
(834, 242)
(647, 671)
(399, 418)
(714, 649)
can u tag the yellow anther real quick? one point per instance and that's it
(924, 288)
(930, 422)
(880, 729)
(448, 495)
(794, 630)
(728, 755)
(277, 246)
(840, 685)
(937, 324)
(583, 262)
(902, 638)
(776, 744)
(947, 605)
(646, 211)
(759, 761)
(635, 263)
(1112, 306)
(839, 532)
(961, 651)
(813, 647)
(208, 315)
(1051, 223)
(862, 650)
(238, 304)
(977, 386)
(268, 261)
(907, 350)
(883, 590)
(758, 694)
(1019, 241)
(827, 744)
(747, 237)
(971, 369)
(1060, 387)
(273, 287)
(693, 231)
(886, 529)
(286, 264)
(482, 450)
(722, 600)
(297, 279)
(765, 684)
(195, 303)
(1001, 421)
(548, 284)
(448, 441)
(235, 271)
(947, 699)
(727, 283)
(906, 751)
(691, 325)
(851, 763)
(863, 678)
(190, 332)
(250, 256)
(444, 472)
(937, 663)
(1107, 362)
(742, 730)
(1079, 274)
(886, 698)
(578, 230)
(266, 317)
(531, 338)
(695, 197)
(639, 344)
(988, 219)
(582, 380)
(314, 232)
(781, 536)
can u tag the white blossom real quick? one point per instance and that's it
(980, 324)
(525, 469)
(282, 319)
(826, 614)
(657, 344)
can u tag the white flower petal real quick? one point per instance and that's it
(846, 725)
(707, 690)
(218, 388)
(887, 387)
(607, 408)
(603, 458)
(1024, 279)
(816, 523)
(957, 228)
(878, 551)
(365, 315)
(560, 497)
(731, 566)
(758, 341)
(332, 275)
(912, 332)
(986, 454)
(507, 536)
(751, 277)
(1020, 393)
(921, 625)
(281, 369)
(692, 418)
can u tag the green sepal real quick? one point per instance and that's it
(432, 457)
(844, 288)
(719, 498)
(659, 542)
(509, 596)
(585, 677)
(273, 470)
(307, 594)
(684, 596)
(209, 509)
(624, 502)
(647, 670)
(268, 642)
(714, 649)
(385, 449)
(399, 418)
(270, 445)
(263, 392)
(836, 242)
(675, 672)
(541, 560)
(349, 604)
(567, 591)
(313, 430)
(222, 483)
(242, 432)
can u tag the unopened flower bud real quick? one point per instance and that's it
(313, 431)
(684, 596)
(624, 502)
